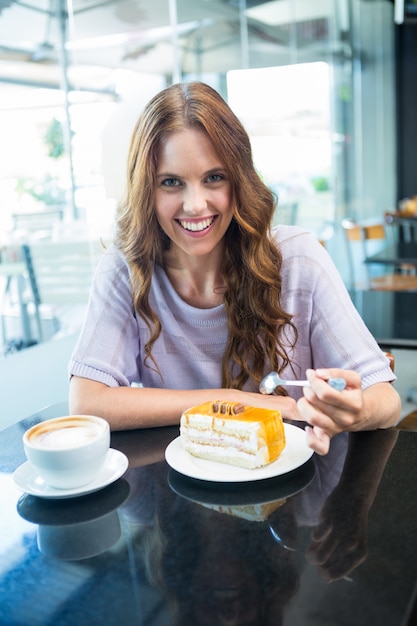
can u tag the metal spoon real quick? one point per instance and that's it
(279, 540)
(272, 381)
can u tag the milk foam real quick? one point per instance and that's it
(67, 436)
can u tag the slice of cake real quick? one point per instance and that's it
(249, 512)
(228, 432)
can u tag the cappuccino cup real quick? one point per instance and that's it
(68, 452)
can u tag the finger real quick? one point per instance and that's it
(321, 553)
(350, 396)
(331, 417)
(352, 378)
(320, 393)
(342, 565)
(322, 405)
(317, 439)
(321, 531)
(316, 418)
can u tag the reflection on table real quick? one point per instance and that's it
(170, 550)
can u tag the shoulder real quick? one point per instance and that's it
(113, 257)
(294, 241)
(291, 235)
(113, 262)
(305, 261)
(112, 274)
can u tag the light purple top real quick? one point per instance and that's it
(189, 351)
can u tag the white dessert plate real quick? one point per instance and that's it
(295, 454)
(26, 479)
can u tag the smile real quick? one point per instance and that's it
(197, 226)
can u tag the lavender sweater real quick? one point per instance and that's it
(189, 351)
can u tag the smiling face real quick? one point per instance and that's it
(193, 195)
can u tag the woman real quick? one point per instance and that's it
(198, 300)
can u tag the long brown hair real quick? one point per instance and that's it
(252, 264)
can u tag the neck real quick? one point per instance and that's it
(197, 283)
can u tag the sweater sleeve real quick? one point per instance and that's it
(331, 332)
(108, 346)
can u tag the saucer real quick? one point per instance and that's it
(27, 480)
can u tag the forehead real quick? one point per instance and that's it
(186, 146)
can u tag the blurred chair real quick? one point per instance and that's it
(37, 224)
(391, 359)
(15, 327)
(359, 238)
(408, 422)
(60, 273)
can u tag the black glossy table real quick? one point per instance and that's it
(156, 548)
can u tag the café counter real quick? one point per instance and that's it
(332, 541)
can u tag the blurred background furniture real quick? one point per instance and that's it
(60, 274)
(408, 419)
(391, 318)
(39, 224)
(406, 223)
(367, 246)
(13, 284)
(389, 315)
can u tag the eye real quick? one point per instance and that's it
(170, 182)
(215, 178)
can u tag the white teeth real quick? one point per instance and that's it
(197, 226)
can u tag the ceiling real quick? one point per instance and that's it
(85, 42)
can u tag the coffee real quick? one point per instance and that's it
(69, 451)
(69, 433)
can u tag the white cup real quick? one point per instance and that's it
(68, 452)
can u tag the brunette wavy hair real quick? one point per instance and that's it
(257, 324)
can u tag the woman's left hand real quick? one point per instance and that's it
(328, 411)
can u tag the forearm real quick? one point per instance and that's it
(381, 407)
(128, 407)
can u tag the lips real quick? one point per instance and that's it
(196, 226)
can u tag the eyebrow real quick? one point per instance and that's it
(167, 175)
(213, 170)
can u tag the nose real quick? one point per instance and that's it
(195, 200)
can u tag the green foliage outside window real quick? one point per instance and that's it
(54, 139)
(320, 183)
(48, 190)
